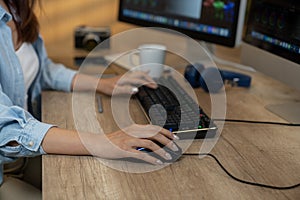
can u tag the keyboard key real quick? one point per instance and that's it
(174, 114)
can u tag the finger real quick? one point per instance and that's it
(137, 81)
(163, 131)
(149, 81)
(166, 142)
(126, 89)
(148, 144)
(146, 157)
(144, 76)
(147, 78)
(152, 85)
(134, 81)
(148, 131)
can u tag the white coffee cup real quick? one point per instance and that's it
(151, 58)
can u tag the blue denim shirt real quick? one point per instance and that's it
(16, 124)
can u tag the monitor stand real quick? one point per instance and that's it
(211, 50)
(280, 69)
(288, 111)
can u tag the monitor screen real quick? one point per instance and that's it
(272, 39)
(215, 21)
(275, 27)
(272, 46)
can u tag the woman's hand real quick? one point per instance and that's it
(124, 143)
(119, 144)
(125, 84)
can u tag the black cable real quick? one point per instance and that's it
(240, 180)
(256, 122)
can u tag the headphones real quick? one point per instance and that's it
(212, 79)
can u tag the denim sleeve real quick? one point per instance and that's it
(54, 76)
(57, 77)
(18, 125)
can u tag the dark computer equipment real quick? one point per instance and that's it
(275, 27)
(171, 107)
(199, 76)
(215, 21)
(272, 46)
(174, 154)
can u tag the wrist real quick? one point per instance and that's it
(105, 86)
(62, 141)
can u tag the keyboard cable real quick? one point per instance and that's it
(257, 122)
(234, 177)
(241, 180)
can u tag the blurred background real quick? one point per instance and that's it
(59, 18)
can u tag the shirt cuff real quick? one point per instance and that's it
(34, 133)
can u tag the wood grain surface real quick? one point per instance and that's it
(266, 154)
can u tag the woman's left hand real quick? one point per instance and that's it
(125, 84)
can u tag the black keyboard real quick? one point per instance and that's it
(171, 107)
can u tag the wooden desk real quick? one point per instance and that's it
(266, 154)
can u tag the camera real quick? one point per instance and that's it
(88, 38)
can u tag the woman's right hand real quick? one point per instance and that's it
(120, 144)
(124, 143)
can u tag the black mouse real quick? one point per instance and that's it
(174, 154)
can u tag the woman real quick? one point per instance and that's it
(25, 70)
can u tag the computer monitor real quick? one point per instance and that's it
(272, 45)
(214, 21)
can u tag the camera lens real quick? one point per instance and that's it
(90, 41)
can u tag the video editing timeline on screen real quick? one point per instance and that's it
(214, 17)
